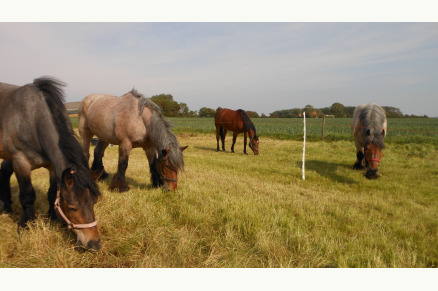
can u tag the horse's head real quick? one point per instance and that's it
(373, 156)
(75, 205)
(167, 174)
(254, 144)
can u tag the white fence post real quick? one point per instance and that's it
(304, 144)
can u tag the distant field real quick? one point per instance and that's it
(400, 130)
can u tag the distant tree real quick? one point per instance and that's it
(337, 110)
(183, 109)
(263, 115)
(170, 107)
(206, 112)
(392, 112)
(252, 114)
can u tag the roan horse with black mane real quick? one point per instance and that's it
(369, 130)
(130, 121)
(236, 121)
(35, 131)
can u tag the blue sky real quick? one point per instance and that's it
(256, 66)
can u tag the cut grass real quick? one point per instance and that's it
(233, 210)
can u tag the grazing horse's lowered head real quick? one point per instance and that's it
(162, 171)
(74, 205)
(369, 130)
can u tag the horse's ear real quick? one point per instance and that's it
(165, 153)
(183, 148)
(67, 177)
(368, 132)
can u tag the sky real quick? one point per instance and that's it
(256, 66)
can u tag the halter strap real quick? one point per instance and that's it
(164, 177)
(70, 225)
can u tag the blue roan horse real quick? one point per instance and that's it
(35, 131)
(369, 130)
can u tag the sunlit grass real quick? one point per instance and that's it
(236, 210)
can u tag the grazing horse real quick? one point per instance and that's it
(369, 130)
(35, 131)
(130, 121)
(236, 121)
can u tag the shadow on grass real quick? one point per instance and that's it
(328, 170)
(213, 149)
(145, 182)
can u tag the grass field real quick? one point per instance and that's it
(233, 210)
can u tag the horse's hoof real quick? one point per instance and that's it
(358, 166)
(119, 188)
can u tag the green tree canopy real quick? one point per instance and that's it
(206, 112)
(170, 107)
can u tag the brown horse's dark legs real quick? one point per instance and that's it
(97, 165)
(5, 186)
(234, 141)
(22, 169)
(119, 181)
(245, 138)
(51, 194)
(359, 163)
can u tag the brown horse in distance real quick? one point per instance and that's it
(130, 121)
(236, 121)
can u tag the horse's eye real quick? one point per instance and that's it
(72, 208)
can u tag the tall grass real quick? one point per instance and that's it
(236, 210)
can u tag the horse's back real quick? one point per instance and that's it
(111, 118)
(229, 119)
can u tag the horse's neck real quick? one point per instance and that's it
(251, 133)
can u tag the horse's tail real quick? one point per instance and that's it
(221, 132)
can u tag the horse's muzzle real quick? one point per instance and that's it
(371, 174)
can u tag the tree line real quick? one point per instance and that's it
(171, 108)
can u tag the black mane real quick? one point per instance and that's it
(68, 140)
(247, 123)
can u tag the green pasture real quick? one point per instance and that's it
(400, 130)
(236, 210)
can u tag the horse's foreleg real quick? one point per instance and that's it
(97, 165)
(359, 162)
(151, 154)
(119, 181)
(51, 194)
(5, 186)
(22, 169)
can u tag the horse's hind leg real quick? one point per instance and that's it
(119, 181)
(223, 134)
(217, 136)
(22, 169)
(97, 165)
(5, 186)
(235, 133)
